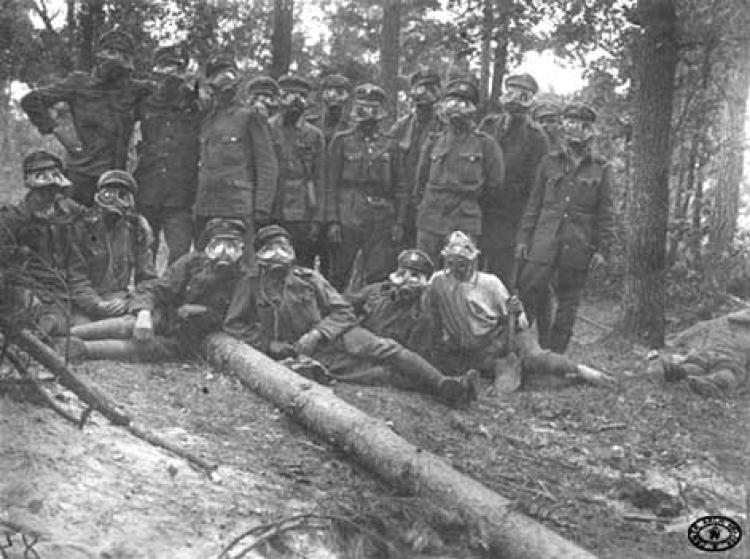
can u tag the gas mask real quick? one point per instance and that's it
(46, 202)
(111, 65)
(552, 125)
(578, 133)
(224, 251)
(456, 111)
(517, 100)
(276, 255)
(423, 97)
(293, 104)
(367, 114)
(224, 84)
(334, 97)
(262, 103)
(51, 176)
(459, 267)
(114, 199)
(170, 77)
(409, 285)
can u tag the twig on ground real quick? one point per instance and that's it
(595, 323)
(611, 427)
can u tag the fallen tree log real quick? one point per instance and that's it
(508, 533)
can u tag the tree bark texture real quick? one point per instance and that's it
(648, 204)
(390, 51)
(91, 23)
(500, 61)
(488, 27)
(508, 533)
(281, 39)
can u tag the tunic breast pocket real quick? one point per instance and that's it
(307, 310)
(437, 173)
(470, 170)
(351, 165)
(588, 192)
(380, 169)
(231, 150)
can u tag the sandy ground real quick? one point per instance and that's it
(621, 473)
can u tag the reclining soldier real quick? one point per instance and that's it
(171, 316)
(287, 311)
(116, 245)
(468, 311)
(718, 365)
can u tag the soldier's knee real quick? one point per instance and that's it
(545, 362)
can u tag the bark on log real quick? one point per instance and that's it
(508, 533)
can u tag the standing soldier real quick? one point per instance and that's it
(332, 117)
(568, 225)
(238, 170)
(300, 197)
(261, 96)
(458, 169)
(92, 115)
(37, 236)
(369, 197)
(115, 243)
(523, 145)
(167, 169)
(548, 116)
(411, 133)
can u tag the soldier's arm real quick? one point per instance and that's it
(494, 168)
(423, 171)
(432, 321)
(145, 270)
(335, 165)
(37, 103)
(83, 293)
(605, 231)
(533, 208)
(243, 320)
(264, 164)
(357, 299)
(400, 189)
(317, 171)
(338, 314)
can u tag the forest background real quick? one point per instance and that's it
(669, 78)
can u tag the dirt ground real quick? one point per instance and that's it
(621, 473)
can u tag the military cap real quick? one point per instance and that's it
(118, 177)
(291, 82)
(172, 54)
(416, 261)
(464, 88)
(543, 110)
(370, 93)
(460, 244)
(425, 77)
(220, 62)
(225, 227)
(263, 84)
(579, 111)
(268, 233)
(39, 160)
(524, 81)
(118, 40)
(336, 81)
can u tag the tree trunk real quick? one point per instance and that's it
(281, 39)
(723, 224)
(509, 534)
(487, 32)
(695, 186)
(71, 31)
(390, 50)
(648, 206)
(91, 23)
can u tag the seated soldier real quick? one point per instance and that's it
(287, 311)
(171, 316)
(36, 241)
(718, 363)
(469, 310)
(116, 244)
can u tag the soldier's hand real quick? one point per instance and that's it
(523, 321)
(597, 261)
(522, 251)
(281, 350)
(188, 311)
(113, 307)
(307, 344)
(397, 233)
(515, 306)
(314, 233)
(334, 234)
(144, 326)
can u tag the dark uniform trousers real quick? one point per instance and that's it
(177, 225)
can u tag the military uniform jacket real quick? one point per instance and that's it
(103, 115)
(50, 256)
(570, 210)
(411, 133)
(327, 125)
(238, 168)
(308, 302)
(114, 254)
(523, 144)
(168, 153)
(364, 175)
(454, 175)
(300, 149)
(191, 279)
(383, 314)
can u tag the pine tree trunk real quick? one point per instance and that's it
(500, 62)
(487, 29)
(281, 39)
(390, 51)
(91, 23)
(648, 204)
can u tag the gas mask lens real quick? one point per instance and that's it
(224, 250)
(366, 111)
(47, 177)
(115, 199)
(223, 79)
(334, 95)
(291, 98)
(276, 253)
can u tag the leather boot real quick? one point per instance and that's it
(118, 328)
(452, 390)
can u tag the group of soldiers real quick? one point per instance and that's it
(260, 196)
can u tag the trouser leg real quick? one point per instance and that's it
(343, 256)
(431, 244)
(543, 312)
(178, 232)
(305, 248)
(120, 327)
(154, 218)
(83, 189)
(379, 249)
(533, 281)
(498, 243)
(570, 283)
(158, 349)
